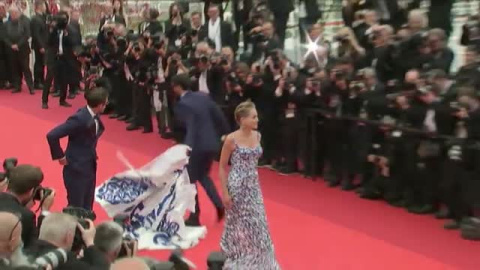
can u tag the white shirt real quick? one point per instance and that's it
(93, 116)
(60, 42)
(429, 121)
(202, 83)
(214, 34)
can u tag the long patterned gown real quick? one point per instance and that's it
(246, 239)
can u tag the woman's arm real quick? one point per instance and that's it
(227, 149)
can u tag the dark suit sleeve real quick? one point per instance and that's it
(66, 129)
(182, 114)
(219, 118)
(26, 35)
(36, 33)
(94, 257)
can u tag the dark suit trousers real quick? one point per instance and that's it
(281, 20)
(20, 65)
(80, 186)
(143, 108)
(4, 66)
(39, 67)
(57, 68)
(198, 170)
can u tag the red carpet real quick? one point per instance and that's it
(313, 227)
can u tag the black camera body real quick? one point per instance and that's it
(8, 164)
(81, 214)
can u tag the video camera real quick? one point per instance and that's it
(82, 215)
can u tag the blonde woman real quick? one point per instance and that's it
(246, 239)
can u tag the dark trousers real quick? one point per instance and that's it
(4, 67)
(427, 181)
(240, 24)
(281, 20)
(267, 127)
(124, 93)
(143, 107)
(198, 169)
(39, 67)
(57, 69)
(454, 182)
(80, 186)
(20, 65)
(75, 68)
(290, 142)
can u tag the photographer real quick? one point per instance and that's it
(346, 45)
(24, 189)
(59, 230)
(442, 55)
(176, 26)
(109, 240)
(208, 76)
(264, 40)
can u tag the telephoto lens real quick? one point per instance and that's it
(53, 258)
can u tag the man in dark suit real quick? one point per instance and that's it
(39, 42)
(60, 49)
(204, 122)
(75, 34)
(24, 180)
(218, 31)
(83, 129)
(18, 49)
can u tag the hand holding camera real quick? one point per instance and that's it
(88, 233)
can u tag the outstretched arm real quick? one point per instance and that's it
(66, 129)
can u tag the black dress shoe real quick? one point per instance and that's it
(443, 213)
(38, 86)
(32, 92)
(192, 222)
(347, 186)
(16, 91)
(452, 225)
(333, 183)
(65, 104)
(122, 118)
(147, 130)
(130, 120)
(44, 105)
(133, 127)
(113, 116)
(56, 94)
(71, 96)
(220, 214)
(422, 209)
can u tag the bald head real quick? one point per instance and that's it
(130, 263)
(58, 229)
(10, 232)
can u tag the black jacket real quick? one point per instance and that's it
(9, 203)
(39, 31)
(226, 34)
(92, 257)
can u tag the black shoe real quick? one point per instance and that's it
(38, 86)
(264, 164)
(32, 92)
(333, 183)
(133, 127)
(56, 94)
(192, 222)
(71, 96)
(16, 91)
(130, 120)
(220, 214)
(65, 104)
(398, 203)
(147, 130)
(422, 209)
(122, 118)
(286, 171)
(442, 214)
(452, 225)
(370, 194)
(44, 105)
(347, 186)
(113, 116)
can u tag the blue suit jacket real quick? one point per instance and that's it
(82, 140)
(203, 120)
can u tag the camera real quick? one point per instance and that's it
(82, 215)
(128, 244)
(8, 164)
(232, 78)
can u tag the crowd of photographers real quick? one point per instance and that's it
(67, 240)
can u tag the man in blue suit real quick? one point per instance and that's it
(83, 129)
(204, 124)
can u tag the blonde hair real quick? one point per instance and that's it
(243, 109)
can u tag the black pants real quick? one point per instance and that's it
(75, 69)
(198, 169)
(268, 127)
(454, 182)
(80, 186)
(57, 69)
(290, 142)
(143, 107)
(39, 67)
(241, 24)
(4, 67)
(20, 65)
(281, 20)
